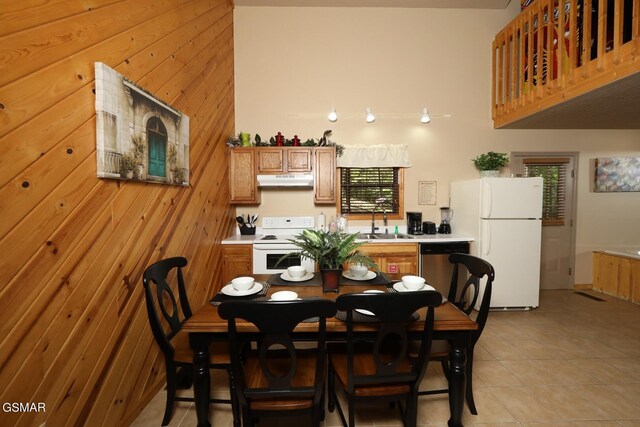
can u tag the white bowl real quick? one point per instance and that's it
(296, 271)
(357, 270)
(242, 283)
(413, 282)
(284, 296)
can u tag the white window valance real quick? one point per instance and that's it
(374, 156)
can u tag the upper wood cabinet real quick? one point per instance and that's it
(243, 186)
(324, 180)
(274, 160)
(247, 162)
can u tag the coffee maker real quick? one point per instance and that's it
(414, 222)
(446, 214)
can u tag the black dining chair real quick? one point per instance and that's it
(275, 378)
(378, 367)
(472, 290)
(166, 318)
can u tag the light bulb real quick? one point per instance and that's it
(425, 116)
(370, 117)
(333, 116)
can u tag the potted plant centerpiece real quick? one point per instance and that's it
(330, 250)
(490, 163)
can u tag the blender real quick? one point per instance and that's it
(446, 214)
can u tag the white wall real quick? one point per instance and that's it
(292, 65)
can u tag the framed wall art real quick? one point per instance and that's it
(138, 136)
(617, 174)
(427, 191)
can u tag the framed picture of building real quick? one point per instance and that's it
(617, 174)
(138, 136)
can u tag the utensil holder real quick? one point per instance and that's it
(247, 231)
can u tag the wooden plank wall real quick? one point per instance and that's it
(74, 332)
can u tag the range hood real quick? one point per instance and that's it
(288, 180)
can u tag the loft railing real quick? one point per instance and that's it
(549, 54)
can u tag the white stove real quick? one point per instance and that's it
(274, 243)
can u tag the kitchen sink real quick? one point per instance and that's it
(373, 236)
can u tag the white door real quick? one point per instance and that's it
(511, 198)
(558, 233)
(512, 247)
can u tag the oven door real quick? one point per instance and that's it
(266, 256)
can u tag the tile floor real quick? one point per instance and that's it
(573, 362)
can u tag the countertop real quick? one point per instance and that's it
(238, 239)
(624, 252)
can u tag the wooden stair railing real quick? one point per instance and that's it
(538, 63)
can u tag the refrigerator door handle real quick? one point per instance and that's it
(486, 233)
(487, 201)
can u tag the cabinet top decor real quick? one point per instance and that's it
(279, 140)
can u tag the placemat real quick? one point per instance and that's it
(276, 280)
(218, 299)
(391, 289)
(359, 317)
(380, 279)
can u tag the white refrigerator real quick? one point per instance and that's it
(504, 216)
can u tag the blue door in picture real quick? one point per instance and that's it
(157, 138)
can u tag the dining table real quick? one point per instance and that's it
(205, 326)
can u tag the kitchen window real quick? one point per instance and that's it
(360, 188)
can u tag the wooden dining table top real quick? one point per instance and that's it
(206, 320)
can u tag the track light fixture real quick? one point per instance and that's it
(370, 117)
(425, 116)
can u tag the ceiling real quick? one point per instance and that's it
(444, 4)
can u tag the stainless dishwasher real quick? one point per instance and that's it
(434, 265)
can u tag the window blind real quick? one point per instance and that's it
(553, 172)
(361, 187)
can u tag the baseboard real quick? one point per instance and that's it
(584, 286)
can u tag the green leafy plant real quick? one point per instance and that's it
(491, 161)
(138, 150)
(178, 175)
(127, 164)
(330, 250)
(172, 156)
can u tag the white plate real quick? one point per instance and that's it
(285, 276)
(401, 288)
(370, 275)
(228, 290)
(367, 312)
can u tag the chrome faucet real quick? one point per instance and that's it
(373, 221)
(379, 202)
(384, 220)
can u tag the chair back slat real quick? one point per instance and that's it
(276, 321)
(158, 294)
(390, 343)
(480, 281)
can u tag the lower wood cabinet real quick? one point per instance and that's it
(238, 261)
(617, 275)
(394, 257)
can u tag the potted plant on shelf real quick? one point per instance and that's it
(490, 163)
(127, 165)
(330, 250)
